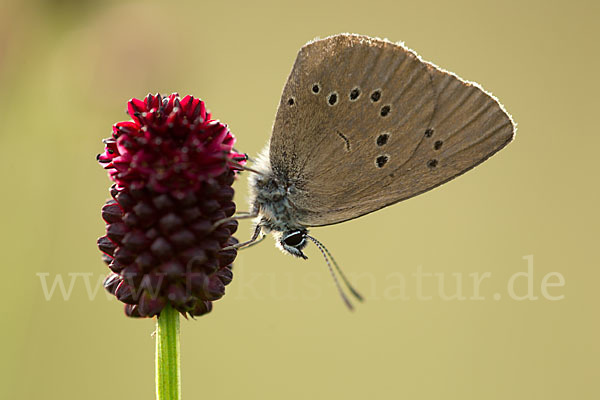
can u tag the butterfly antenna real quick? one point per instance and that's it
(339, 270)
(335, 279)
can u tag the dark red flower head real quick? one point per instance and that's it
(173, 167)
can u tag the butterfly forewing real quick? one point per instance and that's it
(364, 123)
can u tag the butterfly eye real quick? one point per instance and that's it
(294, 239)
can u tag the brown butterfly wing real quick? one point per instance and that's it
(353, 157)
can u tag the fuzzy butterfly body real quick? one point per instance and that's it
(364, 123)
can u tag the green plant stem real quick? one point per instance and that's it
(168, 378)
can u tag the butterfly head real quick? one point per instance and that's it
(293, 242)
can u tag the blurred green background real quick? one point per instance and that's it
(67, 69)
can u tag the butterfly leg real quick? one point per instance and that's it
(244, 168)
(257, 241)
(253, 240)
(244, 215)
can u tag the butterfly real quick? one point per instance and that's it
(364, 123)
